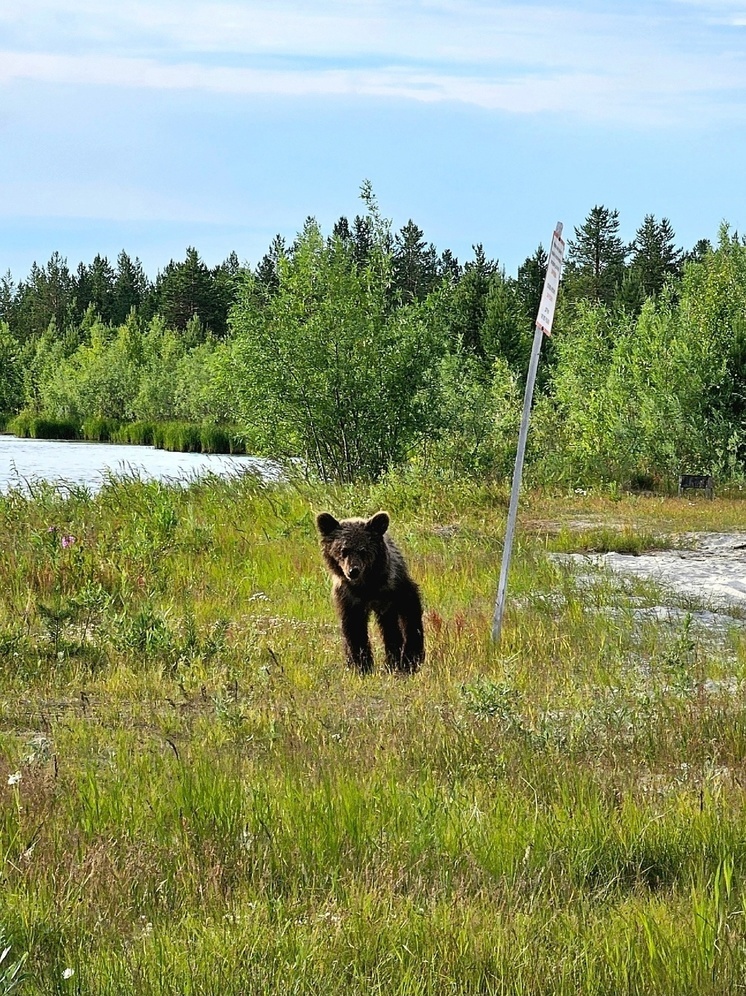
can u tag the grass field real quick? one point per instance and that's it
(197, 798)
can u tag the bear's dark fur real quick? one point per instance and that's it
(370, 576)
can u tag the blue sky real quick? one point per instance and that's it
(151, 125)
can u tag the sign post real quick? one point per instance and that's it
(543, 327)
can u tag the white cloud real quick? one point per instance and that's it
(631, 95)
(389, 30)
(646, 64)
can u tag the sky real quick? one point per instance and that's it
(154, 125)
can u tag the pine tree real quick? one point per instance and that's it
(7, 297)
(341, 230)
(698, 252)
(226, 279)
(449, 267)
(362, 239)
(504, 333)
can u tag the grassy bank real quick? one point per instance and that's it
(179, 437)
(196, 797)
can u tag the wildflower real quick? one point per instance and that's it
(15, 778)
(67, 541)
(67, 973)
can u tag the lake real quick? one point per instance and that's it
(80, 462)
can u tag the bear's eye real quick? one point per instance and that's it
(345, 552)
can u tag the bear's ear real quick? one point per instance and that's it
(379, 523)
(326, 523)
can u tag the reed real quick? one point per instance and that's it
(180, 437)
(214, 439)
(30, 426)
(101, 430)
(138, 433)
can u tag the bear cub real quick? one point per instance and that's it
(370, 576)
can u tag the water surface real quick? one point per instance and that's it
(26, 461)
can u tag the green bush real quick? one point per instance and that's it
(325, 369)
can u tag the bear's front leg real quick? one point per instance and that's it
(413, 652)
(393, 642)
(355, 636)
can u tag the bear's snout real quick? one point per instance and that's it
(354, 569)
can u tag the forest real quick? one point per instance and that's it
(366, 349)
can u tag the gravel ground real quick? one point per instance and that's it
(711, 568)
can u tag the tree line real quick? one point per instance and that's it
(365, 348)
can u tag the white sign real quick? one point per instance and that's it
(551, 282)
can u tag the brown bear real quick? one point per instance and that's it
(370, 576)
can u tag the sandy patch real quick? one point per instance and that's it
(712, 568)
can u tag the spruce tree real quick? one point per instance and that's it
(131, 288)
(469, 302)
(596, 257)
(415, 263)
(94, 285)
(46, 296)
(267, 272)
(185, 290)
(529, 285)
(655, 257)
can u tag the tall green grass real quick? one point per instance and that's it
(138, 433)
(31, 426)
(101, 430)
(183, 437)
(196, 796)
(188, 437)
